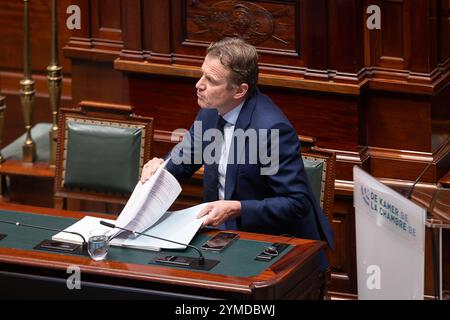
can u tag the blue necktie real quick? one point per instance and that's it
(211, 179)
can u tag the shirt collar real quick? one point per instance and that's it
(232, 115)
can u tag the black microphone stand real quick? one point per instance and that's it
(178, 261)
(411, 189)
(53, 245)
(429, 210)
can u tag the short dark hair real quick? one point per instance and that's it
(240, 57)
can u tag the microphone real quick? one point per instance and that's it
(410, 191)
(52, 245)
(201, 258)
(196, 263)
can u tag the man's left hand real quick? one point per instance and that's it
(218, 212)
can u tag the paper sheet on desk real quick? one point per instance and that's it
(83, 226)
(180, 226)
(145, 211)
(149, 201)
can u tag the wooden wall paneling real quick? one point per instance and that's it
(408, 48)
(31, 191)
(157, 31)
(440, 115)
(131, 12)
(280, 67)
(343, 258)
(314, 34)
(11, 33)
(346, 26)
(81, 38)
(391, 46)
(363, 100)
(429, 263)
(171, 101)
(345, 161)
(399, 121)
(368, 42)
(186, 50)
(400, 165)
(423, 36)
(98, 81)
(434, 35)
(273, 27)
(100, 37)
(400, 131)
(446, 262)
(106, 20)
(440, 124)
(330, 118)
(444, 33)
(266, 24)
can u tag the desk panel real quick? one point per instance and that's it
(126, 272)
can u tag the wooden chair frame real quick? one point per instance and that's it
(97, 113)
(328, 176)
(310, 151)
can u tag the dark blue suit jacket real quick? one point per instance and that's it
(282, 203)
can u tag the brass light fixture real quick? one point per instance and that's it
(54, 83)
(27, 91)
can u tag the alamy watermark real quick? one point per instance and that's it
(74, 280)
(374, 20)
(74, 20)
(263, 148)
(373, 281)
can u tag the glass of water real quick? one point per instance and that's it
(98, 244)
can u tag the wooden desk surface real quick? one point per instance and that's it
(295, 275)
(20, 168)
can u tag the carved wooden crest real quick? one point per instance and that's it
(230, 18)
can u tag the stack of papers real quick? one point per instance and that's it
(146, 212)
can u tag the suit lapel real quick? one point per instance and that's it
(242, 122)
(210, 191)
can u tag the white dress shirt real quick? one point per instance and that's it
(230, 117)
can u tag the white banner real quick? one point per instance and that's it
(390, 239)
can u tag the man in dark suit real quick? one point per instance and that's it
(254, 178)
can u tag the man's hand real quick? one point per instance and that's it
(150, 168)
(218, 212)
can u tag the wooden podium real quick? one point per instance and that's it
(26, 272)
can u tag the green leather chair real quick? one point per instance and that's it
(101, 150)
(320, 166)
(320, 169)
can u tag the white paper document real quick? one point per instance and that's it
(83, 227)
(149, 201)
(146, 211)
(179, 226)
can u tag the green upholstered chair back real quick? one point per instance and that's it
(320, 167)
(102, 157)
(320, 170)
(101, 151)
(314, 170)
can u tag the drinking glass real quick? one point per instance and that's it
(98, 244)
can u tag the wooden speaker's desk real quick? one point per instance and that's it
(126, 273)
